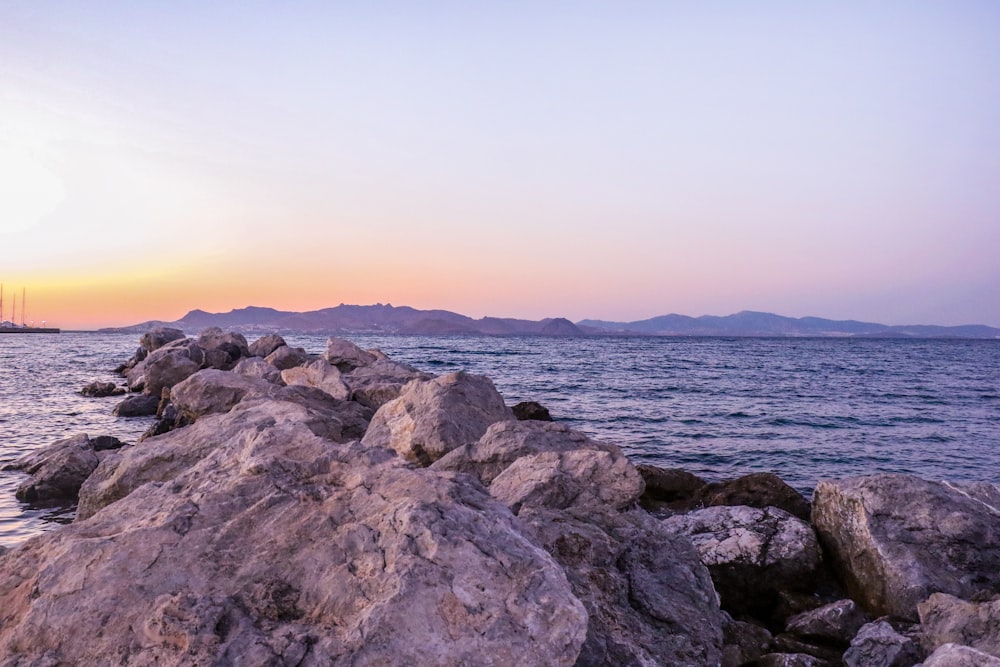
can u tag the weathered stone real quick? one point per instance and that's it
(670, 488)
(649, 599)
(162, 458)
(578, 478)
(879, 644)
(105, 442)
(836, 622)
(347, 356)
(946, 619)
(211, 390)
(761, 489)
(256, 367)
(57, 471)
(319, 374)
(158, 337)
(896, 539)
(138, 405)
(381, 381)
(222, 349)
(265, 345)
(99, 389)
(531, 410)
(753, 554)
(743, 642)
(954, 655)
(169, 365)
(286, 357)
(430, 418)
(506, 441)
(275, 546)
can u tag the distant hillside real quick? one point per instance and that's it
(750, 323)
(387, 319)
(347, 319)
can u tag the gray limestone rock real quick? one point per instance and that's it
(286, 357)
(649, 599)
(56, 471)
(955, 655)
(753, 554)
(319, 374)
(169, 365)
(265, 345)
(836, 622)
(506, 441)
(946, 619)
(430, 418)
(99, 389)
(577, 478)
(257, 367)
(209, 391)
(879, 644)
(139, 405)
(158, 337)
(255, 541)
(347, 356)
(381, 381)
(896, 539)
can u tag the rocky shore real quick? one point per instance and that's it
(347, 509)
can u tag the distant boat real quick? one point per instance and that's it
(11, 326)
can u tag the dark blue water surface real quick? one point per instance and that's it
(806, 409)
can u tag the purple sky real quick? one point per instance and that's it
(580, 159)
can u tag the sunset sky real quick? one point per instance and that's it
(583, 159)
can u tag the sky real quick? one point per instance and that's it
(580, 159)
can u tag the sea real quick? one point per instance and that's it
(804, 408)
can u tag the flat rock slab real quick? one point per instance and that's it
(897, 539)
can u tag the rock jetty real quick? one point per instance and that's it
(346, 509)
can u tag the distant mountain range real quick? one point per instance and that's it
(388, 319)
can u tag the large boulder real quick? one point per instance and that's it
(278, 546)
(156, 338)
(760, 489)
(56, 471)
(286, 357)
(669, 489)
(319, 374)
(138, 405)
(381, 381)
(209, 391)
(169, 365)
(835, 623)
(897, 539)
(946, 619)
(265, 345)
(743, 642)
(222, 349)
(506, 441)
(347, 356)
(754, 555)
(955, 655)
(578, 478)
(256, 367)
(649, 599)
(879, 644)
(431, 418)
(100, 389)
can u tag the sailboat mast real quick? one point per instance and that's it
(24, 303)
(1, 303)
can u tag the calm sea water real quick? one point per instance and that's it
(806, 409)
